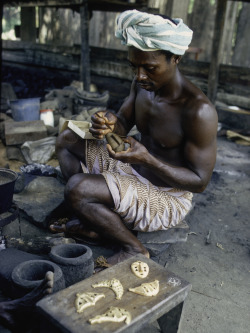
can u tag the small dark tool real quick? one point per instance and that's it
(115, 142)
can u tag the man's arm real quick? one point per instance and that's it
(126, 114)
(200, 132)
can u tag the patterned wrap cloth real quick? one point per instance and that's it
(149, 32)
(141, 205)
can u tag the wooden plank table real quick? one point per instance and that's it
(59, 313)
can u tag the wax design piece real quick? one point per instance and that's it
(84, 300)
(113, 314)
(140, 269)
(113, 284)
(147, 289)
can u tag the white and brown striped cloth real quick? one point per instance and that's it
(149, 32)
(141, 205)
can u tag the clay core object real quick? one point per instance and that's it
(114, 314)
(113, 284)
(147, 289)
(115, 142)
(84, 300)
(140, 269)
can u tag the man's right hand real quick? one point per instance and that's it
(103, 122)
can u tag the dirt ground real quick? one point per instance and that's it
(215, 258)
(219, 272)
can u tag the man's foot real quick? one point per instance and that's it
(75, 229)
(102, 263)
(14, 313)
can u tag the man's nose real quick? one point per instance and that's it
(140, 74)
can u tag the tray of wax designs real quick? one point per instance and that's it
(114, 300)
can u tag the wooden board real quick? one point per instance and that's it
(60, 308)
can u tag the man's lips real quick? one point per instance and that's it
(144, 84)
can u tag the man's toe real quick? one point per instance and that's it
(57, 228)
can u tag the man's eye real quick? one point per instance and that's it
(150, 69)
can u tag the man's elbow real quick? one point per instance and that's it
(201, 186)
(200, 189)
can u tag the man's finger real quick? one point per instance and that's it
(110, 151)
(110, 119)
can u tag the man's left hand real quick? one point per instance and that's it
(135, 154)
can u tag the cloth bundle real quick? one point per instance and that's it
(149, 32)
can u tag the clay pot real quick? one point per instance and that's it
(75, 260)
(29, 274)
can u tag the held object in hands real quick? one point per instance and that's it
(115, 142)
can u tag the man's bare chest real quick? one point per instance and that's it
(160, 121)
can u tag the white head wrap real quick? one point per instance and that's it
(149, 32)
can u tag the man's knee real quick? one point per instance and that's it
(65, 139)
(76, 188)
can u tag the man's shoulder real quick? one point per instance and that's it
(197, 103)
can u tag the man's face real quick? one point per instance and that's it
(152, 70)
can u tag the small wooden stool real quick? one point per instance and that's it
(59, 313)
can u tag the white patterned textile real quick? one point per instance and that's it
(141, 205)
(149, 32)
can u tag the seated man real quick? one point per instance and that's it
(149, 186)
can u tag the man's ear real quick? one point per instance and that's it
(176, 59)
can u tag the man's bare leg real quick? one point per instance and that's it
(75, 228)
(70, 150)
(90, 199)
(14, 311)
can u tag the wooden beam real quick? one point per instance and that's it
(102, 5)
(216, 49)
(44, 3)
(116, 5)
(240, 0)
(107, 62)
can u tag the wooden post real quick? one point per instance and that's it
(229, 29)
(169, 8)
(28, 24)
(216, 50)
(85, 63)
